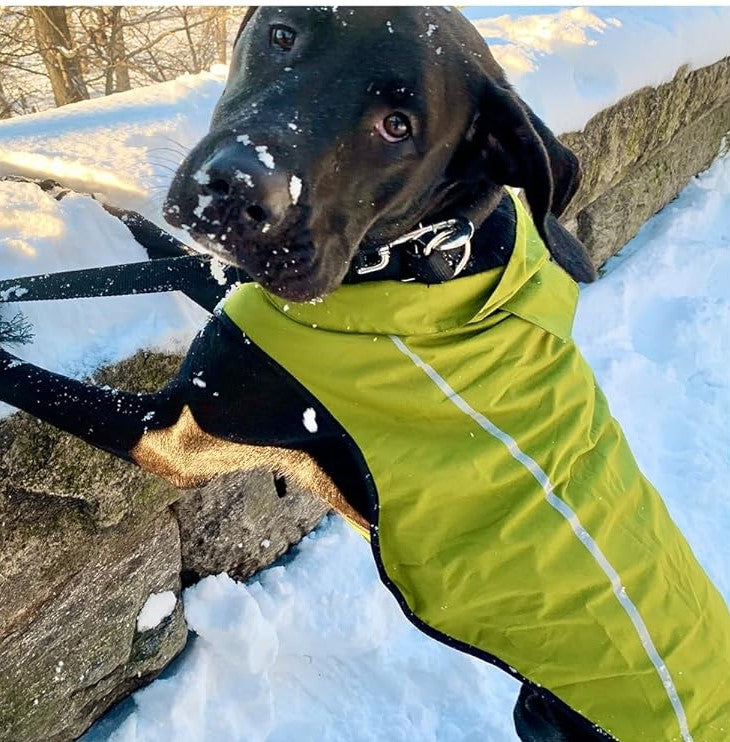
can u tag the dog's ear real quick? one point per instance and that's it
(511, 152)
(246, 18)
(564, 165)
(516, 148)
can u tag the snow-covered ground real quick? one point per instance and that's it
(316, 648)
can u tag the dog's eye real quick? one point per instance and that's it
(283, 37)
(395, 127)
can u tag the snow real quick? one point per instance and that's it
(245, 177)
(662, 356)
(157, 607)
(201, 177)
(203, 203)
(218, 271)
(309, 420)
(124, 147)
(295, 189)
(316, 648)
(14, 292)
(39, 235)
(265, 156)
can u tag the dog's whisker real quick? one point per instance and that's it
(164, 161)
(158, 193)
(167, 149)
(168, 168)
(183, 149)
(160, 181)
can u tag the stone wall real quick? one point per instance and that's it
(639, 153)
(85, 539)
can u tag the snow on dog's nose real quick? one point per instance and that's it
(239, 185)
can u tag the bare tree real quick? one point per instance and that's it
(65, 54)
(16, 330)
(21, 69)
(60, 54)
(117, 53)
(221, 34)
(106, 54)
(6, 108)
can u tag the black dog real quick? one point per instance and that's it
(418, 130)
(338, 132)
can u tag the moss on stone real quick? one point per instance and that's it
(637, 154)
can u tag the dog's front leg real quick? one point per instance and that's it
(157, 431)
(160, 431)
(107, 418)
(228, 409)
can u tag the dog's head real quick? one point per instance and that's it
(341, 129)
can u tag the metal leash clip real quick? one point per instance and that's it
(452, 235)
(383, 254)
(447, 235)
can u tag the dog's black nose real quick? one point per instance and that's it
(240, 182)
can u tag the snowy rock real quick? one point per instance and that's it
(638, 154)
(88, 538)
(238, 524)
(68, 600)
(155, 610)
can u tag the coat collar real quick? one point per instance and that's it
(407, 309)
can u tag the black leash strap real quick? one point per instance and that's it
(431, 254)
(156, 241)
(173, 266)
(191, 274)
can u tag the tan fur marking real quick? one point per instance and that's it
(187, 456)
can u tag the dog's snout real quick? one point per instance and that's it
(240, 181)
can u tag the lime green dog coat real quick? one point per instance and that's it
(511, 518)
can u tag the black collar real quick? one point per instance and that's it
(409, 259)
